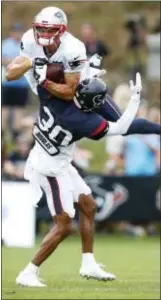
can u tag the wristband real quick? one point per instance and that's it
(28, 63)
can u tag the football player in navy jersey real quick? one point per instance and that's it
(58, 126)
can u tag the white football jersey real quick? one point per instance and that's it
(71, 53)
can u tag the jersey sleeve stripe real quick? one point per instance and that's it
(99, 129)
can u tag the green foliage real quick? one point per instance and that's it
(99, 158)
(136, 263)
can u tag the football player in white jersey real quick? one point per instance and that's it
(48, 40)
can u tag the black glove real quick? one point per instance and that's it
(39, 62)
(40, 73)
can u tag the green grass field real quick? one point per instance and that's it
(135, 261)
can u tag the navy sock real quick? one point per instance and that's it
(143, 126)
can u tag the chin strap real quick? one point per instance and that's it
(46, 42)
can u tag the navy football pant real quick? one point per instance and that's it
(111, 112)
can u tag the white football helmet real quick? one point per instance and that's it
(49, 25)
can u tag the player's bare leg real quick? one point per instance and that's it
(89, 268)
(87, 211)
(57, 234)
(61, 229)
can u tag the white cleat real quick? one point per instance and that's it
(29, 279)
(94, 271)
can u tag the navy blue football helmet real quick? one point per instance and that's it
(90, 93)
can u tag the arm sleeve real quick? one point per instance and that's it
(75, 60)
(123, 124)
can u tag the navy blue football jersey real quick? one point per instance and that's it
(109, 110)
(61, 123)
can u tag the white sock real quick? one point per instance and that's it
(88, 258)
(31, 268)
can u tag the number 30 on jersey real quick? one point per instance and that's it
(49, 135)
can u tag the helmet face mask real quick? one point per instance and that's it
(48, 35)
(90, 94)
(49, 25)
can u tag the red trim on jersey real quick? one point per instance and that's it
(82, 60)
(100, 128)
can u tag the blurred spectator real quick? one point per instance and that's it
(13, 168)
(92, 43)
(153, 57)
(27, 128)
(140, 155)
(136, 26)
(154, 116)
(153, 62)
(136, 154)
(140, 152)
(157, 27)
(14, 93)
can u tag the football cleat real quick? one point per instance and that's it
(95, 271)
(29, 279)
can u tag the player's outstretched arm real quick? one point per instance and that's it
(18, 67)
(123, 124)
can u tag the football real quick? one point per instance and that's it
(55, 72)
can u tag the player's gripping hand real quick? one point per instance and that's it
(95, 61)
(137, 88)
(40, 73)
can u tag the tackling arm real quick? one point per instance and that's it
(123, 124)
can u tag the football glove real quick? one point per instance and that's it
(40, 73)
(39, 61)
(95, 61)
